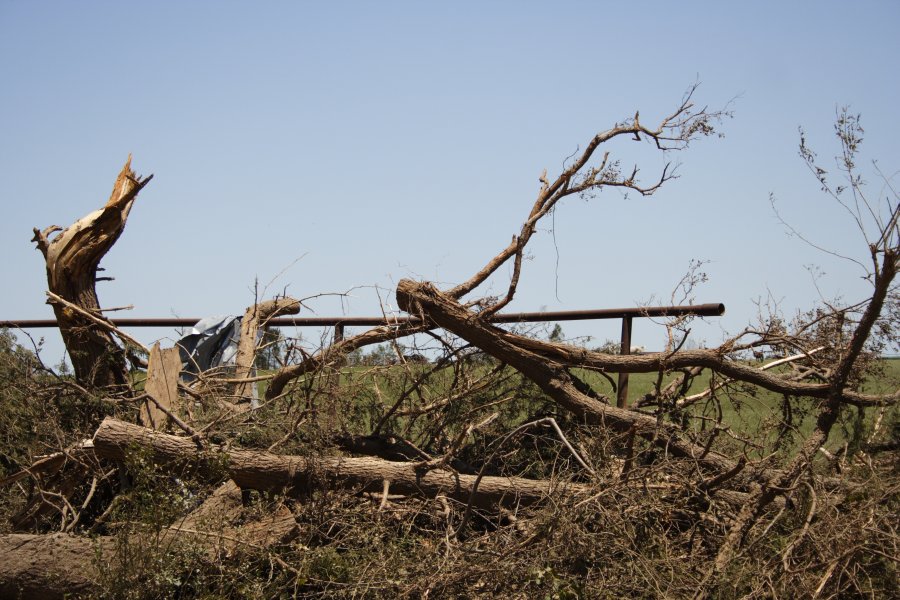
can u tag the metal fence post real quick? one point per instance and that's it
(625, 348)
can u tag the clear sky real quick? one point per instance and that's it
(323, 147)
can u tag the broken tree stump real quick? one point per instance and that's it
(256, 317)
(72, 257)
(163, 370)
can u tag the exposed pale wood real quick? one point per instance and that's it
(72, 257)
(162, 384)
(223, 521)
(255, 317)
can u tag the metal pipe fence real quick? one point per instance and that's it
(700, 310)
(339, 323)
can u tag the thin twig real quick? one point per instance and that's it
(102, 322)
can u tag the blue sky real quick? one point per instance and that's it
(324, 147)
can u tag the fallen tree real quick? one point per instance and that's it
(553, 379)
(51, 566)
(301, 475)
(504, 442)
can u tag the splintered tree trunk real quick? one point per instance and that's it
(163, 369)
(255, 317)
(72, 258)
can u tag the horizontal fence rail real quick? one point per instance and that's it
(339, 323)
(699, 310)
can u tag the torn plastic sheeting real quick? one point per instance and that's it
(211, 343)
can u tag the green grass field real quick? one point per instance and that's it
(755, 410)
(749, 413)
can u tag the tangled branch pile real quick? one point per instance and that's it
(500, 468)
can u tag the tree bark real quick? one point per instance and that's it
(299, 474)
(51, 566)
(713, 359)
(163, 369)
(61, 566)
(257, 316)
(426, 300)
(773, 487)
(72, 258)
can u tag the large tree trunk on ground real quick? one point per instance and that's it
(50, 566)
(271, 472)
(72, 258)
(58, 565)
(233, 524)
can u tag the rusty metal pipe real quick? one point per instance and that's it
(700, 310)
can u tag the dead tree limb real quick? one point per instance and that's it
(429, 302)
(100, 321)
(271, 472)
(687, 401)
(877, 222)
(72, 257)
(713, 359)
(335, 352)
(581, 177)
(255, 317)
(49, 465)
(884, 273)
